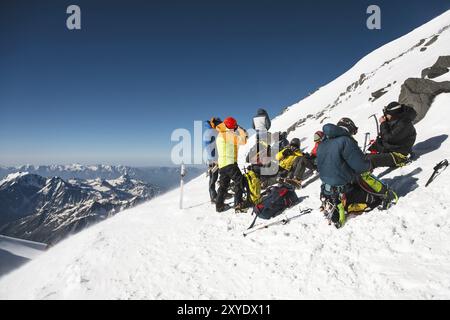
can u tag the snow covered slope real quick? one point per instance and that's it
(15, 252)
(158, 251)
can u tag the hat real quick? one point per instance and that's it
(318, 136)
(348, 124)
(393, 108)
(295, 143)
(230, 123)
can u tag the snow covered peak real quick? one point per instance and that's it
(13, 176)
(75, 167)
(23, 178)
(121, 180)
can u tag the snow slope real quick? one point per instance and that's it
(15, 252)
(158, 251)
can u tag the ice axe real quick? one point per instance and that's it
(366, 138)
(437, 170)
(376, 122)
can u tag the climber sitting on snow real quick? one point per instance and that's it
(311, 158)
(283, 142)
(397, 137)
(292, 163)
(347, 185)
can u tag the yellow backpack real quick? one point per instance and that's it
(254, 187)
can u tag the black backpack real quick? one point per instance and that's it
(277, 199)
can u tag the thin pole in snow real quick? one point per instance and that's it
(182, 174)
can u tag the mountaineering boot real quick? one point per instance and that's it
(241, 207)
(389, 199)
(338, 217)
(400, 160)
(223, 208)
(297, 184)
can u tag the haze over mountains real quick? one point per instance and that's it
(163, 177)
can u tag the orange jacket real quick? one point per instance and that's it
(227, 144)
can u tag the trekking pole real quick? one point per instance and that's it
(182, 174)
(376, 123)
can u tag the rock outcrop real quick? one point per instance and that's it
(420, 93)
(441, 67)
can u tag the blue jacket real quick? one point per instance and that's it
(339, 159)
(209, 141)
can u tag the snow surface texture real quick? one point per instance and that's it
(159, 251)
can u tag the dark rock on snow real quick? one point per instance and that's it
(441, 67)
(420, 93)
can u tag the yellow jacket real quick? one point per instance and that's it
(227, 144)
(287, 162)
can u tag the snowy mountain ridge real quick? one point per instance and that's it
(49, 209)
(165, 178)
(157, 251)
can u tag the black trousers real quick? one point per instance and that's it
(383, 160)
(228, 173)
(213, 176)
(299, 166)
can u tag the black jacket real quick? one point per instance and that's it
(398, 135)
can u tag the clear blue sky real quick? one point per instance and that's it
(114, 91)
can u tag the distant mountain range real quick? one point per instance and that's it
(165, 178)
(37, 208)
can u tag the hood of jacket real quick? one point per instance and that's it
(261, 112)
(333, 131)
(408, 113)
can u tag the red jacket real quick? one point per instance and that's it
(314, 150)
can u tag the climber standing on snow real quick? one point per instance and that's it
(230, 137)
(261, 123)
(397, 137)
(209, 144)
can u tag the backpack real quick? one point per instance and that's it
(253, 187)
(278, 199)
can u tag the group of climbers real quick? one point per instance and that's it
(347, 182)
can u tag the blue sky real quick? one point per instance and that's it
(114, 91)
